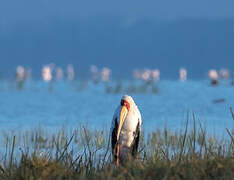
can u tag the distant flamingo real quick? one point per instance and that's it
(214, 76)
(183, 74)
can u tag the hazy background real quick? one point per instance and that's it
(122, 35)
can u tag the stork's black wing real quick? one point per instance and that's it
(114, 138)
(136, 141)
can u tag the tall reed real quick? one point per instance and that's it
(188, 153)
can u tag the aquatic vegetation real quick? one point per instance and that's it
(189, 153)
(149, 87)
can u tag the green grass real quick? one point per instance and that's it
(189, 153)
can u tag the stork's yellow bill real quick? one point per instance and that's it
(123, 114)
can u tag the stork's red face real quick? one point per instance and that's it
(125, 107)
(125, 103)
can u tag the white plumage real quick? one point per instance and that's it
(125, 129)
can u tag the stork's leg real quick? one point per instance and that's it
(117, 155)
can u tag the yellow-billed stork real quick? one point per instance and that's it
(125, 130)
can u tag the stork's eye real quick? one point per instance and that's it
(122, 103)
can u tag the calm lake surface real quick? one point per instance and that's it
(83, 103)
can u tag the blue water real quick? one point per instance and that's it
(75, 104)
